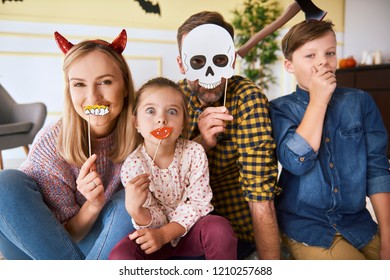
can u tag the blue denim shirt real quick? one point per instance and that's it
(325, 192)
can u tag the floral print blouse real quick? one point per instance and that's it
(180, 193)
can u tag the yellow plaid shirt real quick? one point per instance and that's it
(242, 165)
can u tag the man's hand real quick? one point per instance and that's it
(211, 123)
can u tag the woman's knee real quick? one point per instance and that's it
(116, 212)
(13, 184)
(9, 176)
(117, 203)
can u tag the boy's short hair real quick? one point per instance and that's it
(302, 33)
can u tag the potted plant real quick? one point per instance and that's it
(247, 21)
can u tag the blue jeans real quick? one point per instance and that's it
(29, 230)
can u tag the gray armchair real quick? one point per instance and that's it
(19, 123)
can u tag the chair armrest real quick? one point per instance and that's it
(30, 112)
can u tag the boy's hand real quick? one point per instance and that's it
(322, 85)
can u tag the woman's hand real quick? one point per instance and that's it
(90, 185)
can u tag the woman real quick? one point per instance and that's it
(63, 202)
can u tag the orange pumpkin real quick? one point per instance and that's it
(348, 62)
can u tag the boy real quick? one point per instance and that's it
(331, 143)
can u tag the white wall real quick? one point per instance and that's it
(367, 27)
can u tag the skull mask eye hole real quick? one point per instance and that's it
(220, 60)
(198, 62)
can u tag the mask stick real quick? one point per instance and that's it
(89, 135)
(97, 110)
(224, 98)
(155, 153)
(160, 133)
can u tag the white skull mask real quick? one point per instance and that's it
(208, 55)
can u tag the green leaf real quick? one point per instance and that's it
(253, 16)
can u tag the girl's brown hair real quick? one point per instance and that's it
(161, 82)
(73, 137)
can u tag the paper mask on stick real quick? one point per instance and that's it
(160, 133)
(208, 55)
(95, 110)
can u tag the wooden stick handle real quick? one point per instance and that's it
(89, 136)
(155, 153)
(288, 14)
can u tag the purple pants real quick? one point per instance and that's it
(212, 236)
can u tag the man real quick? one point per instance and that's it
(229, 117)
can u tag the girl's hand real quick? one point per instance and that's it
(137, 190)
(90, 185)
(149, 239)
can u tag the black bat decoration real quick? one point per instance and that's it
(149, 7)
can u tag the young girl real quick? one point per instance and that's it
(63, 203)
(167, 185)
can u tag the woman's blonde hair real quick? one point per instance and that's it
(73, 136)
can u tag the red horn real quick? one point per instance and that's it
(119, 44)
(63, 43)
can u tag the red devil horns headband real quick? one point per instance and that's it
(118, 45)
